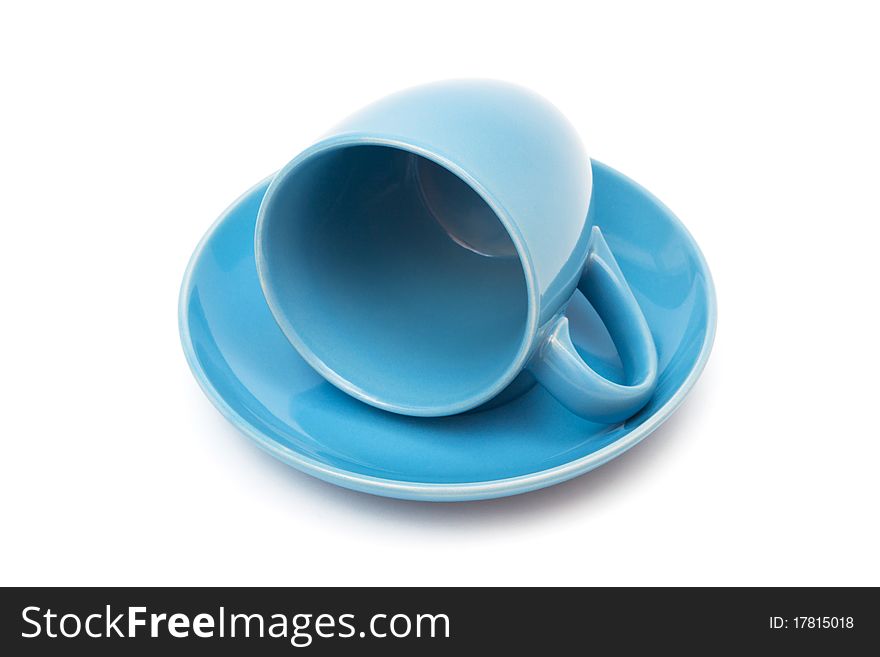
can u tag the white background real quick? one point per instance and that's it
(125, 131)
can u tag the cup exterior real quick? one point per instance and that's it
(513, 148)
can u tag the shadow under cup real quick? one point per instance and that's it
(394, 278)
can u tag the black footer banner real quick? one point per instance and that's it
(420, 621)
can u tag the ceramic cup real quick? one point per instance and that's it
(420, 256)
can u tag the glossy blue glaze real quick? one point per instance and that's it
(559, 368)
(261, 384)
(419, 255)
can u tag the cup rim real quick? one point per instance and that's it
(530, 331)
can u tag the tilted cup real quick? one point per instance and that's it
(420, 256)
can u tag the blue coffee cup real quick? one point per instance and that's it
(420, 256)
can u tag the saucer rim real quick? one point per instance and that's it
(459, 491)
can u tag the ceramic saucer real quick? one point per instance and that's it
(258, 381)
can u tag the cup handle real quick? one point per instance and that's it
(558, 367)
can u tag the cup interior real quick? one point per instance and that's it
(395, 278)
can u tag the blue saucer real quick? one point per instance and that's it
(258, 381)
